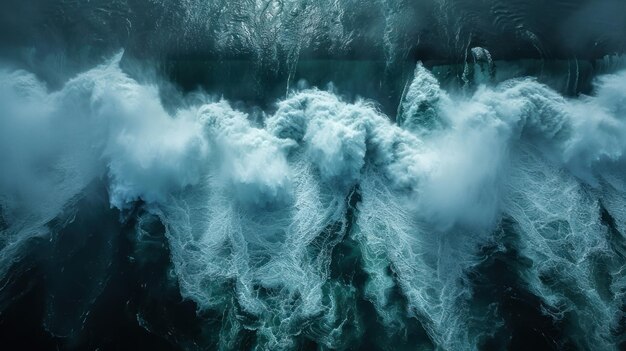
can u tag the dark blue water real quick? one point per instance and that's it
(312, 175)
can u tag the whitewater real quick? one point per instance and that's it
(295, 224)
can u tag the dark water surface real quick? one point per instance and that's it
(313, 175)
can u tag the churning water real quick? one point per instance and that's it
(294, 175)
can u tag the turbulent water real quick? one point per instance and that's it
(295, 175)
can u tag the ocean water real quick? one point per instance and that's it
(313, 175)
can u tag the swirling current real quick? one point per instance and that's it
(313, 175)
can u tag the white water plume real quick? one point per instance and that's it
(253, 213)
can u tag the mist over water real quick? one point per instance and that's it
(267, 175)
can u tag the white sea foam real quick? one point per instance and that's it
(253, 213)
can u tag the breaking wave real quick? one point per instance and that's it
(294, 226)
